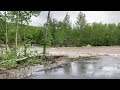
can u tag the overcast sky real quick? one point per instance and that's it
(91, 16)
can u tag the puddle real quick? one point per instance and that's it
(105, 67)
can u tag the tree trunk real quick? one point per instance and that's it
(16, 32)
(46, 29)
(23, 36)
(6, 40)
(24, 43)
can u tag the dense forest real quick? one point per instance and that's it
(60, 33)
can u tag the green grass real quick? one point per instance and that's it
(13, 64)
(27, 62)
(8, 64)
(39, 60)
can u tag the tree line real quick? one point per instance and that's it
(14, 28)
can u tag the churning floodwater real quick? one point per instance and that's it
(105, 67)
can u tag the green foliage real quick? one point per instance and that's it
(8, 64)
(81, 21)
(30, 62)
(8, 55)
(61, 33)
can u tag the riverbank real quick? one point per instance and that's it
(70, 54)
(74, 52)
(21, 72)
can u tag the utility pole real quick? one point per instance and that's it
(46, 29)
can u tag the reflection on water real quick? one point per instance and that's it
(105, 67)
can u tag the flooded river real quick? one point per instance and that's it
(105, 67)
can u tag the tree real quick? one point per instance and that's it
(3, 18)
(67, 30)
(17, 19)
(2, 27)
(23, 18)
(52, 30)
(6, 30)
(46, 29)
(80, 25)
(81, 21)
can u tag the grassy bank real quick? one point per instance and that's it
(15, 70)
(39, 60)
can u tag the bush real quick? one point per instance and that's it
(8, 55)
(8, 64)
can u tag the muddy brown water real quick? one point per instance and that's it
(105, 67)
